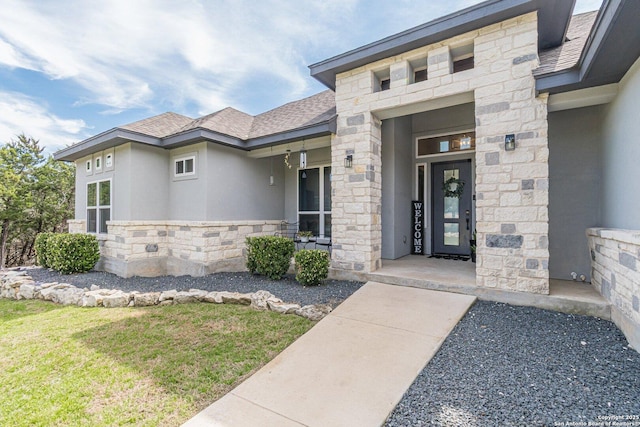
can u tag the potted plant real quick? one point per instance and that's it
(472, 243)
(304, 236)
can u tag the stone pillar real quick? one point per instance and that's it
(356, 193)
(512, 187)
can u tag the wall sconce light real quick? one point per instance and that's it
(510, 142)
(303, 159)
(348, 161)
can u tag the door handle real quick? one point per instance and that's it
(467, 213)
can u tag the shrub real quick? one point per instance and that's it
(72, 253)
(269, 255)
(312, 266)
(42, 249)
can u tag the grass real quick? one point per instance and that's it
(156, 366)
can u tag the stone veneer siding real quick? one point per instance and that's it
(615, 273)
(195, 248)
(511, 187)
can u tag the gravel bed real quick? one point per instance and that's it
(288, 289)
(520, 366)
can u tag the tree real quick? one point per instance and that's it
(18, 162)
(36, 195)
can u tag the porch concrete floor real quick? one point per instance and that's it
(460, 276)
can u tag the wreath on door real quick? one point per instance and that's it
(457, 192)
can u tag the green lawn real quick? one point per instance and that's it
(156, 366)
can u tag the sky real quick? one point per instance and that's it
(70, 69)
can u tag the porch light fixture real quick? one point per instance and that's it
(510, 142)
(348, 161)
(303, 159)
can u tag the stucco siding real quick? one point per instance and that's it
(238, 186)
(620, 155)
(187, 195)
(575, 174)
(397, 167)
(149, 173)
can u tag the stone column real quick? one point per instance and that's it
(356, 193)
(511, 186)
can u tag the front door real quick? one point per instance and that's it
(451, 207)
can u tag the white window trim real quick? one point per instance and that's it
(98, 206)
(184, 159)
(321, 213)
(90, 164)
(108, 160)
(98, 161)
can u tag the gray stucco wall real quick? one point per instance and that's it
(238, 186)
(575, 174)
(445, 120)
(315, 158)
(397, 177)
(148, 197)
(621, 156)
(188, 195)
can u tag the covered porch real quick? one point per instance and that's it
(460, 277)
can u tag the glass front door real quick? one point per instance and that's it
(451, 207)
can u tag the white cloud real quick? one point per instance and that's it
(21, 114)
(132, 54)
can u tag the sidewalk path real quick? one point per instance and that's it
(351, 369)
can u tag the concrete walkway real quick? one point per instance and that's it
(352, 368)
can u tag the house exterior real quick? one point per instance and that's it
(512, 118)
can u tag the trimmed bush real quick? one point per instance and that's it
(42, 249)
(312, 266)
(269, 255)
(72, 253)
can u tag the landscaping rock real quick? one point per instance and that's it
(94, 287)
(185, 297)
(67, 295)
(119, 299)
(259, 299)
(235, 298)
(314, 312)
(282, 307)
(28, 291)
(199, 294)
(168, 295)
(146, 299)
(213, 297)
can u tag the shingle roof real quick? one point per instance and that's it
(159, 126)
(566, 55)
(229, 121)
(297, 114)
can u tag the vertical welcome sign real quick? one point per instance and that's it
(417, 247)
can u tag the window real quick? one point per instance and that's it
(446, 143)
(420, 75)
(108, 161)
(462, 58)
(314, 201)
(185, 166)
(98, 206)
(88, 166)
(385, 84)
(382, 80)
(98, 163)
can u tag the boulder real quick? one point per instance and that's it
(185, 297)
(283, 307)
(119, 299)
(235, 298)
(168, 295)
(94, 298)
(314, 312)
(260, 298)
(94, 287)
(67, 295)
(28, 291)
(199, 294)
(213, 297)
(146, 299)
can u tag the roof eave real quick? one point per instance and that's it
(103, 141)
(327, 127)
(553, 23)
(201, 134)
(602, 60)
